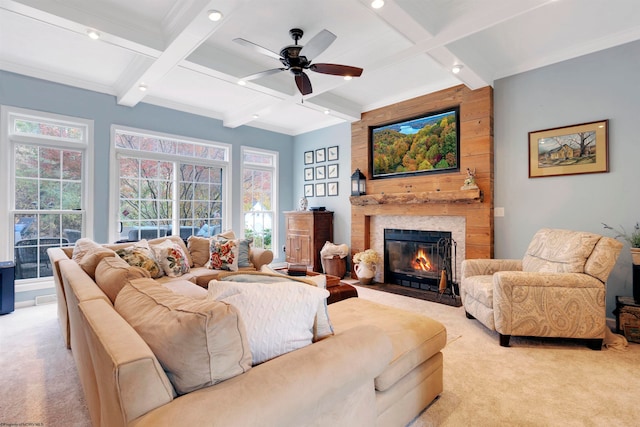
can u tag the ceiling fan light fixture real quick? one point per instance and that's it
(242, 82)
(327, 112)
(142, 87)
(348, 78)
(456, 69)
(377, 4)
(214, 15)
(93, 34)
(255, 116)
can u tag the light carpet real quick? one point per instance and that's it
(536, 382)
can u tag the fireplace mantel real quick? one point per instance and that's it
(449, 196)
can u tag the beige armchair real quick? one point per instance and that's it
(557, 289)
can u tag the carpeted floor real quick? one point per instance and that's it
(536, 382)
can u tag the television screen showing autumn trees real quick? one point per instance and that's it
(424, 144)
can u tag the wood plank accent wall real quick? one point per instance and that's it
(476, 152)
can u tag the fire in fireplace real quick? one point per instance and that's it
(420, 260)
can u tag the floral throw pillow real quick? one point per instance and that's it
(140, 255)
(171, 258)
(223, 255)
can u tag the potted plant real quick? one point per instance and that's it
(365, 265)
(632, 238)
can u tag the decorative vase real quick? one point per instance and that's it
(635, 256)
(303, 203)
(365, 272)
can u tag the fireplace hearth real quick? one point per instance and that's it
(421, 264)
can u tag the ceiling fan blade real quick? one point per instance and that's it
(336, 69)
(304, 84)
(257, 48)
(262, 74)
(318, 44)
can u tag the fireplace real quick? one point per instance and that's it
(420, 260)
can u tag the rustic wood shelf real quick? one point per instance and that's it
(449, 196)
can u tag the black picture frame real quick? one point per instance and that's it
(332, 153)
(308, 174)
(332, 188)
(308, 157)
(321, 155)
(321, 172)
(321, 189)
(332, 171)
(308, 190)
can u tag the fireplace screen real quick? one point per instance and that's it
(419, 259)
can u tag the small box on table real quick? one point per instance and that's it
(296, 269)
(628, 318)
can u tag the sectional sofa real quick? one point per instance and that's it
(376, 366)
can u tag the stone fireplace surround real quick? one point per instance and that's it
(432, 201)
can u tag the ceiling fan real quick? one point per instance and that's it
(295, 58)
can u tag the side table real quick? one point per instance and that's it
(628, 318)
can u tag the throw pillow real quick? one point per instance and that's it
(323, 328)
(198, 342)
(171, 258)
(244, 247)
(140, 255)
(279, 317)
(223, 255)
(199, 249)
(113, 273)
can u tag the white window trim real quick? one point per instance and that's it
(274, 203)
(114, 173)
(6, 203)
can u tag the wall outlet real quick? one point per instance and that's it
(498, 212)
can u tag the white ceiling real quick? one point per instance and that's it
(407, 49)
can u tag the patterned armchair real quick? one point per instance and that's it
(556, 290)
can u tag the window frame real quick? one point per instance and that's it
(274, 193)
(114, 173)
(8, 139)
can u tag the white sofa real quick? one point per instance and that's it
(382, 367)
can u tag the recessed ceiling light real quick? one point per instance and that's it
(377, 4)
(327, 112)
(456, 69)
(255, 116)
(142, 87)
(348, 77)
(93, 34)
(242, 83)
(214, 15)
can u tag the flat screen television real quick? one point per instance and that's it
(429, 143)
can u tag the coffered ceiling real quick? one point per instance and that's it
(190, 63)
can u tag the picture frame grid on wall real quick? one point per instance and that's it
(332, 188)
(320, 155)
(321, 172)
(308, 174)
(332, 153)
(332, 171)
(308, 157)
(321, 189)
(308, 190)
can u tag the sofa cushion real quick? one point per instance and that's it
(559, 251)
(92, 258)
(81, 247)
(223, 254)
(140, 255)
(113, 273)
(279, 317)
(415, 338)
(171, 257)
(185, 288)
(603, 258)
(199, 342)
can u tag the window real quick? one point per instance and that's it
(48, 186)
(259, 169)
(169, 185)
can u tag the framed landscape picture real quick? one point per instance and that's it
(569, 150)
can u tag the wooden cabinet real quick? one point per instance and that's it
(306, 234)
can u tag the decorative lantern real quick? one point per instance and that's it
(358, 183)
